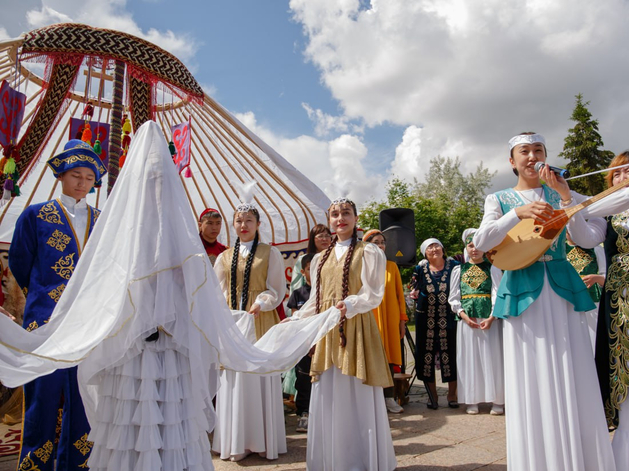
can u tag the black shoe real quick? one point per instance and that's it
(453, 404)
(432, 405)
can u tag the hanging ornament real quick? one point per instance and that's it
(187, 173)
(88, 112)
(97, 147)
(172, 149)
(87, 134)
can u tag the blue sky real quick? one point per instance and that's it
(353, 92)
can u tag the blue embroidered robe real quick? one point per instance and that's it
(520, 288)
(42, 257)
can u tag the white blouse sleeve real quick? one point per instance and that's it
(372, 276)
(615, 203)
(601, 260)
(367, 298)
(494, 226)
(455, 290)
(275, 283)
(220, 274)
(585, 233)
(496, 278)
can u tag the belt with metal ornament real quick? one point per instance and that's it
(467, 296)
(545, 258)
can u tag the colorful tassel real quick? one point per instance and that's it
(88, 110)
(122, 158)
(187, 173)
(97, 147)
(9, 166)
(8, 184)
(87, 134)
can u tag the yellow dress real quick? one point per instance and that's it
(391, 311)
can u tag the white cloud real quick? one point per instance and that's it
(471, 73)
(111, 14)
(325, 123)
(4, 34)
(336, 166)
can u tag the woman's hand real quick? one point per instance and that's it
(414, 294)
(468, 320)
(255, 310)
(485, 324)
(402, 329)
(590, 280)
(555, 182)
(7, 313)
(341, 307)
(537, 210)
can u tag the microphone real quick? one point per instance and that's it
(560, 172)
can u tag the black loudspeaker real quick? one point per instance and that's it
(398, 227)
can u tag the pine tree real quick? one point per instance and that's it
(583, 148)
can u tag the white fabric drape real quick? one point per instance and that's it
(144, 268)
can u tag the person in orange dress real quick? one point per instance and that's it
(390, 316)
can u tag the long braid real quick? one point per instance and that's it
(345, 283)
(233, 277)
(247, 275)
(324, 258)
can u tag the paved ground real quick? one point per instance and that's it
(424, 440)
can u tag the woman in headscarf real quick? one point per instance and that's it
(435, 322)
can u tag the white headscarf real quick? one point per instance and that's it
(427, 243)
(468, 232)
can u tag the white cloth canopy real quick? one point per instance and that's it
(144, 268)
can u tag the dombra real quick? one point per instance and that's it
(527, 242)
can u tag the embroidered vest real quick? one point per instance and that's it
(363, 356)
(257, 284)
(585, 263)
(520, 288)
(476, 289)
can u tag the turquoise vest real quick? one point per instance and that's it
(476, 289)
(520, 288)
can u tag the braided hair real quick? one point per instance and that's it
(345, 278)
(247, 274)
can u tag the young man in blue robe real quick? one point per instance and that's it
(47, 243)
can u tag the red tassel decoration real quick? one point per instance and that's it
(187, 173)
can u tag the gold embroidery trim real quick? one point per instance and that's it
(78, 158)
(579, 258)
(83, 445)
(616, 283)
(64, 266)
(49, 213)
(58, 240)
(474, 277)
(56, 293)
(468, 296)
(32, 326)
(28, 464)
(44, 452)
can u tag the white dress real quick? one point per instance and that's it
(554, 411)
(249, 407)
(480, 369)
(348, 426)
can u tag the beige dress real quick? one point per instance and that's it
(348, 427)
(249, 407)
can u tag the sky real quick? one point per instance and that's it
(356, 92)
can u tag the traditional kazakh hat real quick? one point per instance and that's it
(77, 153)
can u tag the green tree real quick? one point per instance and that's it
(583, 148)
(445, 205)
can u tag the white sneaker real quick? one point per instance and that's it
(472, 409)
(302, 424)
(393, 406)
(497, 409)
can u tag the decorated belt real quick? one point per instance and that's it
(545, 258)
(467, 296)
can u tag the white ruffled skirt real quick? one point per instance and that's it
(480, 367)
(554, 411)
(250, 415)
(147, 416)
(348, 426)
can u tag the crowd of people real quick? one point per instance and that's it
(522, 340)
